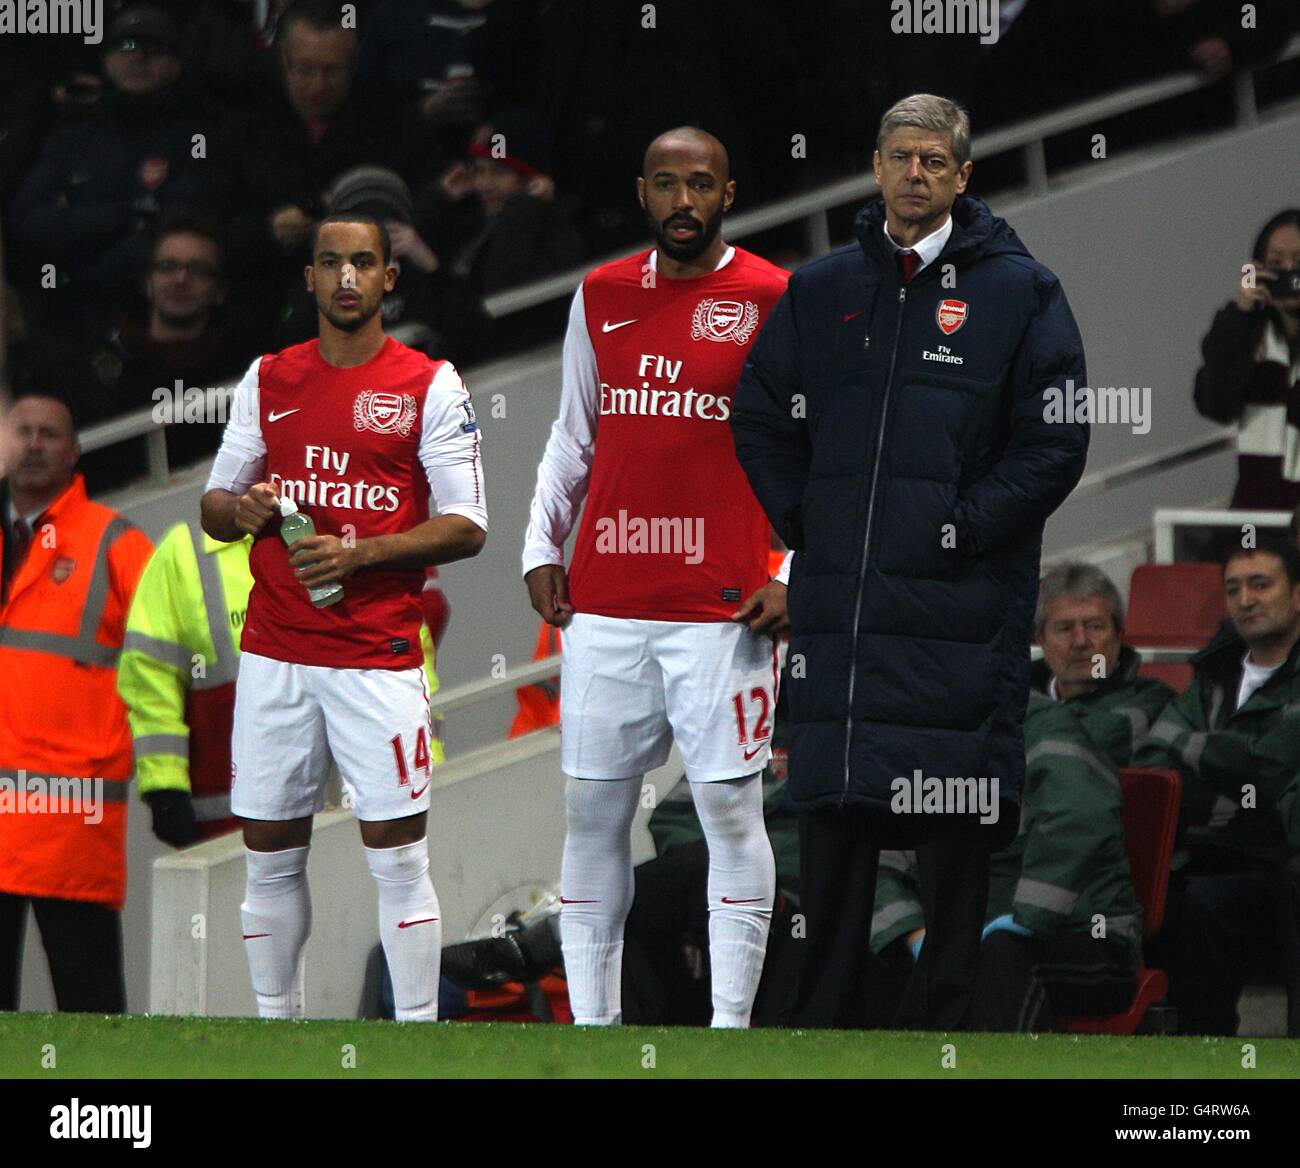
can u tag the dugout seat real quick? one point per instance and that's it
(1150, 813)
(1174, 606)
(1177, 675)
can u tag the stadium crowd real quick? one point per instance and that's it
(158, 195)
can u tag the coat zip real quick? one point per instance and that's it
(866, 543)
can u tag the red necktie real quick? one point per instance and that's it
(908, 262)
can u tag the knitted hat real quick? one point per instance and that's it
(372, 190)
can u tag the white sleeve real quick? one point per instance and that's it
(783, 572)
(241, 461)
(449, 448)
(566, 465)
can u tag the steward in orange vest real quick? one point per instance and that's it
(69, 569)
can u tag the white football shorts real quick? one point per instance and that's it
(628, 688)
(290, 718)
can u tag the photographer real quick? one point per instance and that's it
(1251, 373)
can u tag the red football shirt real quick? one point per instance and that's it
(358, 450)
(671, 528)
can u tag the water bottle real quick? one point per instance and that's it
(294, 525)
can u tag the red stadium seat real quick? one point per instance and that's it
(1175, 674)
(1174, 606)
(1150, 818)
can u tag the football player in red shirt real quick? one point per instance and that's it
(358, 430)
(668, 609)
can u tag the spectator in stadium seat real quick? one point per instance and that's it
(495, 220)
(1063, 930)
(1212, 36)
(180, 334)
(419, 52)
(430, 309)
(278, 158)
(1087, 667)
(1251, 371)
(1234, 738)
(68, 568)
(90, 205)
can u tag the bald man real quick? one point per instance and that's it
(668, 611)
(69, 569)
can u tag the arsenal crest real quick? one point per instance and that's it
(951, 315)
(384, 413)
(724, 320)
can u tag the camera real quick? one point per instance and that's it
(1285, 284)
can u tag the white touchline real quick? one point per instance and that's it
(609, 328)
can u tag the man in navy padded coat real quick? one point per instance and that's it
(904, 418)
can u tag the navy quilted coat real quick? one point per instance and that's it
(899, 441)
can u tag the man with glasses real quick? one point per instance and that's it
(167, 355)
(280, 156)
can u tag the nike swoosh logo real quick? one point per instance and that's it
(254, 936)
(565, 900)
(421, 921)
(275, 416)
(421, 791)
(751, 753)
(848, 316)
(751, 900)
(609, 328)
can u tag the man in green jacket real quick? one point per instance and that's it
(1087, 667)
(1064, 929)
(1234, 738)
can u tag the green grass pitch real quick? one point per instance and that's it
(89, 1046)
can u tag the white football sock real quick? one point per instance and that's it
(742, 887)
(410, 928)
(276, 916)
(596, 886)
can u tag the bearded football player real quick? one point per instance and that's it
(668, 611)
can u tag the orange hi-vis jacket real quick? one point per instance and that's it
(65, 747)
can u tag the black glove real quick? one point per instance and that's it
(173, 817)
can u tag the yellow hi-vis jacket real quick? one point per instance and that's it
(179, 664)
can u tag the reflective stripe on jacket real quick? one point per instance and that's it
(65, 748)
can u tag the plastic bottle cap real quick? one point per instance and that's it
(287, 506)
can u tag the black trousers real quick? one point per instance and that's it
(1025, 983)
(1221, 928)
(83, 945)
(839, 975)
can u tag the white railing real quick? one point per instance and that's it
(1167, 520)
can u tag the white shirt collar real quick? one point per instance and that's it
(13, 516)
(929, 247)
(722, 263)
